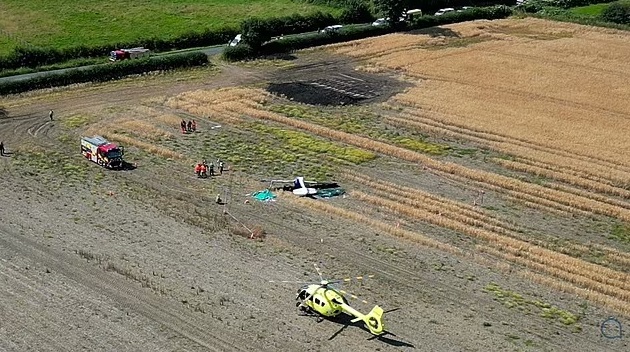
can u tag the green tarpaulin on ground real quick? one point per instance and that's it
(264, 196)
(330, 192)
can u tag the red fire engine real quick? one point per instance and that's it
(102, 152)
(124, 54)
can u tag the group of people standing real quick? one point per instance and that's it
(202, 169)
(190, 126)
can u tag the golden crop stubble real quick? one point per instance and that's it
(392, 230)
(448, 167)
(577, 101)
(458, 211)
(611, 281)
(572, 166)
(535, 193)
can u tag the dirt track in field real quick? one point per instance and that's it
(144, 259)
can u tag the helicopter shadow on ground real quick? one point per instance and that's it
(346, 321)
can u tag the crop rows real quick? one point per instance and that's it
(610, 287)
(555, 157)
(599, 278)
(466, 214)
(520, 189)
(242, 102)
(413, 236)
(133, 132)
(578, 170)
(561, 278)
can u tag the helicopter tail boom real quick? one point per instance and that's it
(373, 320)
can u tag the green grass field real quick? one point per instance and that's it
(60, 24)
(592, 10)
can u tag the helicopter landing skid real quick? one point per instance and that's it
(304, 310)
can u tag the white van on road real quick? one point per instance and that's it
(440, 12)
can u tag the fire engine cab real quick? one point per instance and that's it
(102, 152)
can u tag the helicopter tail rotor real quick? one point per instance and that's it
(373, 320)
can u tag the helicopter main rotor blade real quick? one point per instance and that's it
(319, 272)
(347, 294)
(356, 278)
(293, 282)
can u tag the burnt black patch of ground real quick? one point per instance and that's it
(332, 83)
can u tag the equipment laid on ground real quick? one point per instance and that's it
(102, 152)
(124, 54)
(323, 300)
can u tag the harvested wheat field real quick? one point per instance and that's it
(486, 173)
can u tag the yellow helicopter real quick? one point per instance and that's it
(324, 300)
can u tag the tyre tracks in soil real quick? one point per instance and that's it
(163, 312)
(30, 119)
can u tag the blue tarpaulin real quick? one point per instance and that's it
(264, 196)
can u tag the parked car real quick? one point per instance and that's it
(379, 22)
(440, 12)
(331, 29)
(465, 8)
(236, 41)
(383, 21)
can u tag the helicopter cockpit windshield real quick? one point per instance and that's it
(302, 294)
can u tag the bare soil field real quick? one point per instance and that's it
(487, 180)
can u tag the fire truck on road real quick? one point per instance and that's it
(102, 152)
(124, 54)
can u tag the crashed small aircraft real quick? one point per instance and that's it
(300, 187)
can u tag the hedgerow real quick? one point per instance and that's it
(617, 12)
(105, 72)
(238, 53)
(358, 32)
(34, 57)
(257, 31)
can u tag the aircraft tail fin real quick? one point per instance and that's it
(298, 183)
(374, 320)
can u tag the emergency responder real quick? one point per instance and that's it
(198, 169)
(211, 169)
(204, 170)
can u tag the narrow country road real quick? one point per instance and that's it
(211, 50)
